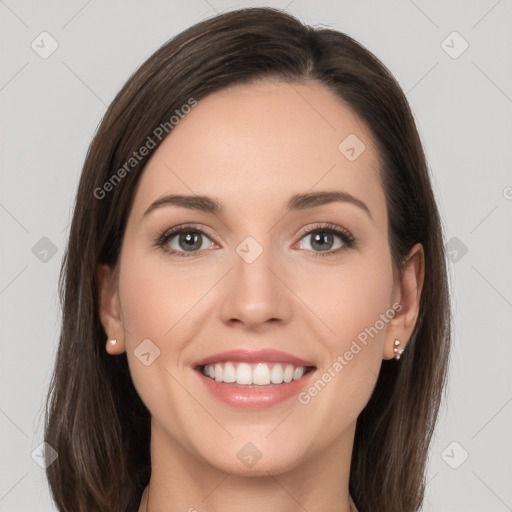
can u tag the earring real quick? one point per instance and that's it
(112, 342)
(397, 351)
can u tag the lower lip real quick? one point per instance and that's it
(257, 397)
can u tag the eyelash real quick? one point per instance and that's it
(346, 237)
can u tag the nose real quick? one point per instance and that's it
(256, 295)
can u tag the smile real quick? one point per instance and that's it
(254, 374)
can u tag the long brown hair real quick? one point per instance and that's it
(94, 417)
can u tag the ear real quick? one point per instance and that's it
(110, 312)
(407, 295)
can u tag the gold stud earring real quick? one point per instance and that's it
(397, 351)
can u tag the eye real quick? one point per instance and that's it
(323, 238)
(184, 239)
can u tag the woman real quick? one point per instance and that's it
(255, 305)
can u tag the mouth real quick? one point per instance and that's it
(254, 380)
(254, 374)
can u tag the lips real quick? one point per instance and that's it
(253, 379)
(254, 356)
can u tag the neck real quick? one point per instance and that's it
(144, 505)
(190, 483)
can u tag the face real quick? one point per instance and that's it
(295, 262)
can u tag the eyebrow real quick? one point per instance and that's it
(297, 202)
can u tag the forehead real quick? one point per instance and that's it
(250, 145)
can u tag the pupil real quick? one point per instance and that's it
(190, 241)
(321, 239)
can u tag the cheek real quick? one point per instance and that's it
(153, 299)
(356, 305)
(145, 314)
(147, 317)
(352, 297)
(160, 302)
(352, 306)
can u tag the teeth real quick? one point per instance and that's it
(261, 375)
(298, 373)
(243, 374)
(288, 373)
(276, 375)
(229, 373)
(258, 374)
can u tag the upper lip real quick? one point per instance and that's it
(254, 356)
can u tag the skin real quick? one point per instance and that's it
(251, 148)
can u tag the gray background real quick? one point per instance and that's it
(50, 108)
